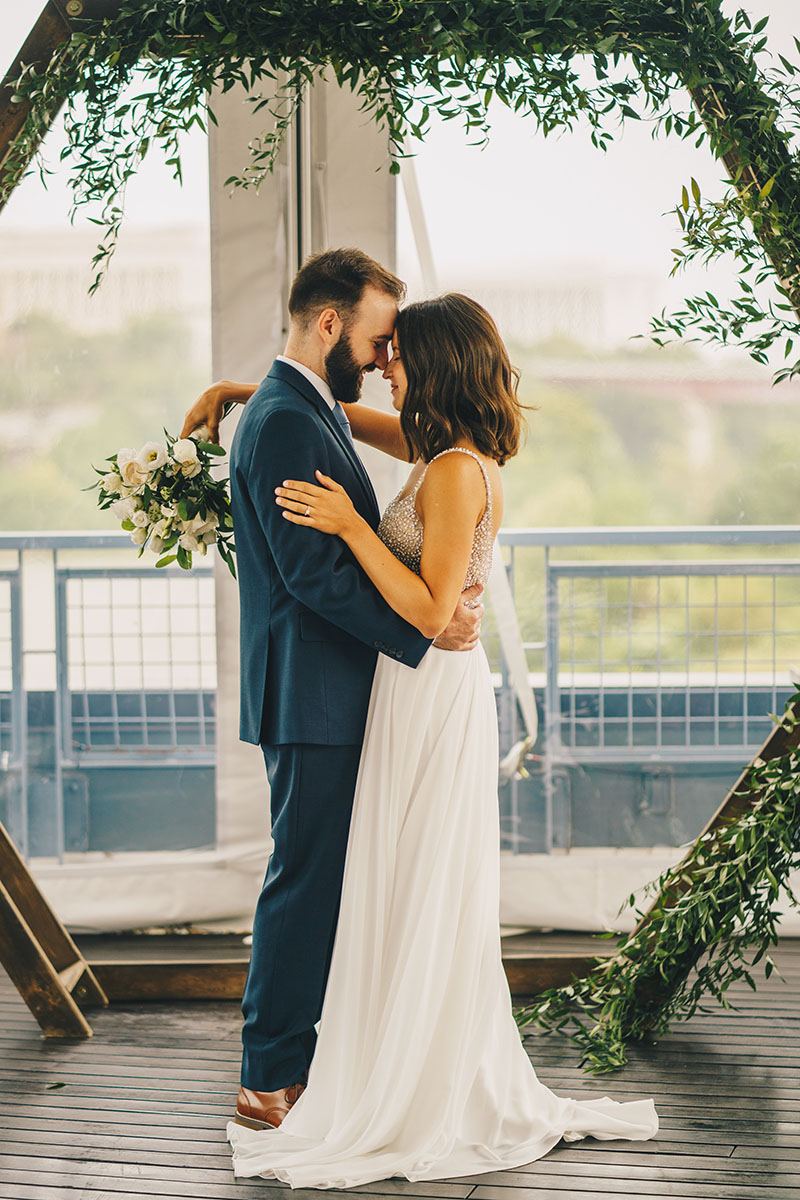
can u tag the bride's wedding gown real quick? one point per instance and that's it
(419, 1070)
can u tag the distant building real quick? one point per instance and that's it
(153, 271)
(597, 311)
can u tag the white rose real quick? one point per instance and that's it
(140, 519)
(123, 510)
(155, 544)
(185, 454)
(139, 537)
(199, 524)
(130, 472)
(111, 483)
(188, 541)
(151, 456)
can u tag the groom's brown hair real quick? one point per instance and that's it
(337, 279)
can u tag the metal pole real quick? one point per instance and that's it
(551, 697)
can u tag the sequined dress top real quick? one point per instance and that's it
(401, 530)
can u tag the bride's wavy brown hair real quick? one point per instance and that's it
(461, 385)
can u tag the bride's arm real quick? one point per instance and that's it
(368, 425)
(452, 498)
(377, 428)
(208, 407)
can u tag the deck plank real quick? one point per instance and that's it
(125, 1125)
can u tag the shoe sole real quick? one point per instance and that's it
(252, 1123)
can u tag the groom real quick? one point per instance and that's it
(312, 626)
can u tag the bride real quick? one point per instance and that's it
(419, 1070)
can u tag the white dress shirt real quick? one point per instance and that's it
(319, 383)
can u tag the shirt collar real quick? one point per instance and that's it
(316, 380)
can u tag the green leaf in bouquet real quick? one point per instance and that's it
(128, 526)
(184, 558)
(212, 448)
(182, 510)
(166, 560)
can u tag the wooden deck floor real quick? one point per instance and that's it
(139, 1110)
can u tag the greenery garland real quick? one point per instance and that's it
(715, 919)
(141, 77)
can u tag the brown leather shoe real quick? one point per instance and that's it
(265, 1110)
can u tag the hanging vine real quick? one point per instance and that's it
(141, 77)
(715, 919)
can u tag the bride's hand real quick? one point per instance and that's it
(327, 508)
(206, 410)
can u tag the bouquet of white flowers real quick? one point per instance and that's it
(167, 499)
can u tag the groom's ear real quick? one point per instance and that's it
(329, 326)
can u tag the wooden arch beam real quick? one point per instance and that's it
(52, 28)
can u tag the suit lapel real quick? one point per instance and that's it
(287, 374)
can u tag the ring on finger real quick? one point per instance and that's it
(307, 513)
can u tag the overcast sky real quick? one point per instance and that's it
(524, 204)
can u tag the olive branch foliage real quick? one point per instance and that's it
(715, 918)
(140, 78)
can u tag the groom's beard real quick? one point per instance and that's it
(343, 372)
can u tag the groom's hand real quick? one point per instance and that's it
(465, 625)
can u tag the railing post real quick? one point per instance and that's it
(19, 707)
(552, 713)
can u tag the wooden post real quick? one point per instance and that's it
(43, 962)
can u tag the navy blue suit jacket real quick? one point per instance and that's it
(312, 623)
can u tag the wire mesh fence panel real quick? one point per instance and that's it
(137, 663)
(671, 657)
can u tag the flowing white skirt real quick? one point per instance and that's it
(419, 1070)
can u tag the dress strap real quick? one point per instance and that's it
(462, 450)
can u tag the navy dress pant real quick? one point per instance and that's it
(312, 790)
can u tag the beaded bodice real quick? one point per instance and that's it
(401, 530)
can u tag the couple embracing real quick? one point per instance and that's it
(365, 685)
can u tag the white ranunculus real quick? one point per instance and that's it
(123, 510)
(188, 541)
(140, 519)
(151, 456)
(139, 536)
(156, 544)
(111, 483)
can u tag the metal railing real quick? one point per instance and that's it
(648, 661)
(645, 646)
(103, 666)
(136, 665)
